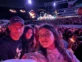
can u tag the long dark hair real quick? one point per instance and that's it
(57, 43)
(27, 43)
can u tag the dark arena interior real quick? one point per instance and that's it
(26, 27)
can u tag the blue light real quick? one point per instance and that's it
(30, 1)
(54, 4)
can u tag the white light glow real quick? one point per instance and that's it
(22, 11)
(30, 1)
(32, 14)
(12, 10)
(54, 4)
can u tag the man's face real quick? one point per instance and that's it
(16, 29)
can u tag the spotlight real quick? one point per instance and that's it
(30, 1)
(54, 4)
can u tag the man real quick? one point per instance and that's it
(10, 43)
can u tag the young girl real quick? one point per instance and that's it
(51, 49)
(28, 44)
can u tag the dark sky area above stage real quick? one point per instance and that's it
(12, 3)
(5, 5)
(21, 3)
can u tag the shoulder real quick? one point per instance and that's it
(4, 42)
(4, 39)
(72, 56)
(31, 54)
(36, 56)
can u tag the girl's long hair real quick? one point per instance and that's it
(57, 42)
(26, 42)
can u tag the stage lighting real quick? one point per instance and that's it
(22, 11)
(30, 1)
(13, 10)
(54, 4)
(32, 13)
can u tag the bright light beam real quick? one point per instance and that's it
(54, 4)
(30, 1)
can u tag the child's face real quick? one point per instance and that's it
(46, 37)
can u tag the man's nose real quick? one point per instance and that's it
(18, 30)
(44, 37)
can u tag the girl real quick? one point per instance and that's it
(28, 44)
(51, 49)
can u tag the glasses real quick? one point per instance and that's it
(44, 35)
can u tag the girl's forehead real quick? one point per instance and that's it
(44, 30)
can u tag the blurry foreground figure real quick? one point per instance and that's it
(20, 60)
